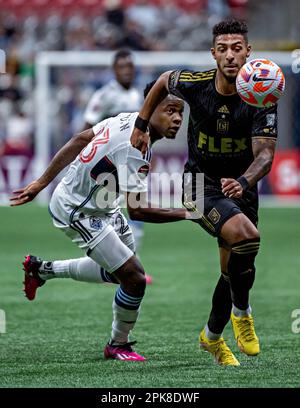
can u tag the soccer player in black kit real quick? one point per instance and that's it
(233, 144)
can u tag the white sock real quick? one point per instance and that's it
(241, 313)
(210, 335)
(81, 269)
(123, 322)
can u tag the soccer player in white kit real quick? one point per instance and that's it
(80, 207)
(118, 95)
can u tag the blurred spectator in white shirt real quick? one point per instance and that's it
(19, 132)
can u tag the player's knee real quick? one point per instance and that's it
(139, 281)
(137, 278)
(132, 277)
(246, 251)
(252, 235)
(135, 283)
(246, 233)
(247, 248)
(237, 229)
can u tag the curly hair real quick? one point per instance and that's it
(230, 27)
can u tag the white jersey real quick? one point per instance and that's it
(111, 100)
(107, 164)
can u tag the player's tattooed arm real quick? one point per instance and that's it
(159, 91)
(61, 160)
(263, 151)
(140, 210)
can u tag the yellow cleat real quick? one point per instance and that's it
(244, 333)
(219, 349)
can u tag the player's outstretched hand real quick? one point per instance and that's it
(26, 194)
(231, 188)
(140, 140)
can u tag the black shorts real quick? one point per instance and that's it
(212, 209)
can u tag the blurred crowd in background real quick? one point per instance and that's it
(30, 26)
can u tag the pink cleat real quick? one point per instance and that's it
(32, 281)
(149, 279)
(122, 352)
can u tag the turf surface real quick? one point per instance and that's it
(57, 340)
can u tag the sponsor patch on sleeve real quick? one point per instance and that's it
(144, 170)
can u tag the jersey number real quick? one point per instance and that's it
(89, 152)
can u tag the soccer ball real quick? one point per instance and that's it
(260, 83)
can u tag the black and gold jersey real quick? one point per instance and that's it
(220, 127)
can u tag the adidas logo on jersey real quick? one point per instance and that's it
(223, 109)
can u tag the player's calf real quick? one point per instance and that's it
(132, 277)
(126, 307)
(241, 270)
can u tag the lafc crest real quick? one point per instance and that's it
(214, 215)
(222, 126)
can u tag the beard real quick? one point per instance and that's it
(230, 79)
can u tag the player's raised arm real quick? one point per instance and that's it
(139, 210)
(62, 159)
(158, 92)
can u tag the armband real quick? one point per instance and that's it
(243, 182)
(141, 124)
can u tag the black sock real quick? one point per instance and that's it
(221, 306)
(241, 271)
(240, 288)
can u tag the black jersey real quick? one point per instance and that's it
(220, 127)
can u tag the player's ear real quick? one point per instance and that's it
(249, 49)
(213, 52)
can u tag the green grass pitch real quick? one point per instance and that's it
(57, 340)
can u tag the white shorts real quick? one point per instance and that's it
(110, 233)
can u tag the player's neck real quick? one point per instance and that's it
(125, 86)
(154, 135)
(223, 86)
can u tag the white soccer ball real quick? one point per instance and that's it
(260, 83)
